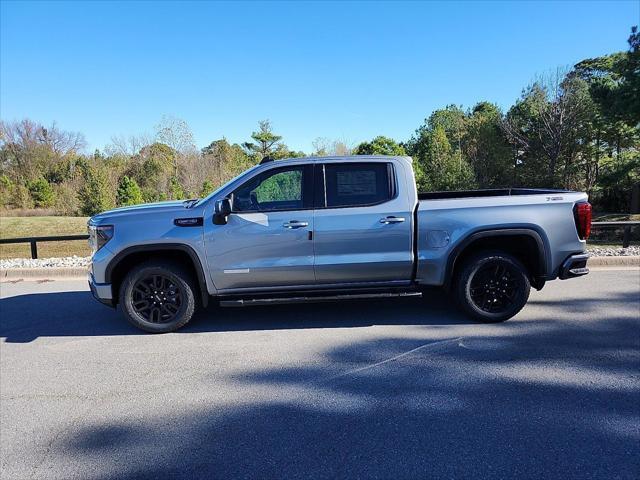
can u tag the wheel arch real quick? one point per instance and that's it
(131, 256)
(516, 241)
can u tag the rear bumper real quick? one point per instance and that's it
(101, 291)
(574, 266)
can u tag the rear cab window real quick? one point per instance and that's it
(358, 184)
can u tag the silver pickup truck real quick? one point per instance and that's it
(310, 229)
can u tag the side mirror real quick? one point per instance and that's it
(223, 210)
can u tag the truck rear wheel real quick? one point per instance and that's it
(158, 297)
(492, 287)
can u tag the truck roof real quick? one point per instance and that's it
(343, 158)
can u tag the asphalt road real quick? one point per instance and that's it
(387, 389)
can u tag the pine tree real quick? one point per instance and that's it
(129, 192)
(266, 142)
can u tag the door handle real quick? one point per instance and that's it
(388, 220)
(295, 224)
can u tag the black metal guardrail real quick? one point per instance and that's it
(34, 241)
(626, 237)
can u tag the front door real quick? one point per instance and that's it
(266, 242)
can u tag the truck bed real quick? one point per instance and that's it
(494, 192)
(444, 219)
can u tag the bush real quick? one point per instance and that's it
(41, 193)
(176, 190)
(66, 200)
(6, 189)
(129, 192)
(20, 197)
(207, 188)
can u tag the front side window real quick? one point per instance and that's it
(357, 184)
(276, 189)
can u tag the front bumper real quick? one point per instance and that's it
(574, 266)
(101, 291)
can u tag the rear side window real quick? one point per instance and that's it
(358, 184)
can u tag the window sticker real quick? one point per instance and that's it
(359, 182)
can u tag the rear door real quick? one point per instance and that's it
(267, 241)
(362, 226)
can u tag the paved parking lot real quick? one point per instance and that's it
(386, 389)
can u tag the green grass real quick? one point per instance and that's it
(12, 227)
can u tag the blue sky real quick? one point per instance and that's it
(339, 70)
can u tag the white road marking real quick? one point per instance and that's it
(451, 341)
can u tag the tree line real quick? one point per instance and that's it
(576, 129)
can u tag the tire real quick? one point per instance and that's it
(492, 287)
(166, 309)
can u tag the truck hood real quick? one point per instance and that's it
(143, 209)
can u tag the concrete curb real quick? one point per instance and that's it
(626, 261)
(43, 273)
(81, 272)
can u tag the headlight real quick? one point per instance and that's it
(99, 236)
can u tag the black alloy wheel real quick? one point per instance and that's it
(158, 296)
(492, 286)
(495, 287)
(156, 299)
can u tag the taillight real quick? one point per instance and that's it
(582, 216)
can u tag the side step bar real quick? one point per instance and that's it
(245, 302)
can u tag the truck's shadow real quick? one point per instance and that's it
(24, 318)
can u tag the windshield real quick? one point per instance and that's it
(222, 187)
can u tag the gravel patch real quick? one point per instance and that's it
(595, 251)
(74, 261)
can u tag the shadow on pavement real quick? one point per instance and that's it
(553, 403)
(26, 317)
(543, 396)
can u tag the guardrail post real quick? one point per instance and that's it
(34, 249)
(626, 237)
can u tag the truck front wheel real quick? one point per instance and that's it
(492, 287)
(158, 297)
